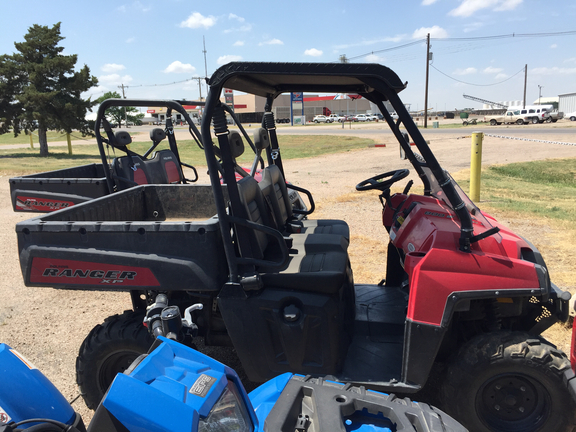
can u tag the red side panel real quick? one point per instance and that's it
(172, 172)
(140, 177)
(47, 271)
(435, 275)
(27, 203)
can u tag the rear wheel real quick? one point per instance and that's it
(493, 122)
(509, 382)
(549, 120)
(108, 350)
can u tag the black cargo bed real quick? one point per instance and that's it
(58, 189)
(145, 237)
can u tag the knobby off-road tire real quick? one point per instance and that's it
(509, 381)
(108, 350)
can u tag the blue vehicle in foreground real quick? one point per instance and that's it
(176, 388)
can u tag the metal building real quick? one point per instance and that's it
(567, 103)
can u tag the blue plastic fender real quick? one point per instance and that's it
(25, 393)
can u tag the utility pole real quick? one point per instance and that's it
(124, 96)
(205, 64)
(539, 93)
(427, 70)
(525, 81)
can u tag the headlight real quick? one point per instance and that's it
(229, 414)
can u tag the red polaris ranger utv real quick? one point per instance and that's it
(463, 294)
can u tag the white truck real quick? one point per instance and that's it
(523, 115)
(334, 118)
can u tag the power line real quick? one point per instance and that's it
(469, 39)
(510, 35)
(478, 85)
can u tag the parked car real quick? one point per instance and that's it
(371, 117)
(571, 116)
(320, 119)
(335, 118)
(350, 118)
(361, 117)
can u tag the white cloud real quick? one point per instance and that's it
(473, 27)
(554, 46)
(313, 52)
(197, 20)
(373, 58)
(112, 67)
(467, 71)
(469, 7)
(553, 71)
(239, 19)
(435, 32)
(501, 76)
(428, 2)
(244, 28)
(394, 39)
(238, 43)
(228, 58)
(236, 17)
(570, 60)
(272, 42)
(131, 40)
(114, 80)
(179, 67)
(506, 5)
(492, 70)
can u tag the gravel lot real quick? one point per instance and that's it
(47, 326)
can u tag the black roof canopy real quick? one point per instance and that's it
(272, 79)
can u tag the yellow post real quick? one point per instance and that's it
(31, 142)
(69, 143)
(476, 165)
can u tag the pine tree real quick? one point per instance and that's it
(117, 115)
(40, 89)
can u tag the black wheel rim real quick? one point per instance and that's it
(513, 403)
(114, 364)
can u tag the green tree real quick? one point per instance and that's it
(116, 114)
(39, 88)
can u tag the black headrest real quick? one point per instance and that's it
(122, 138)
(236, 144)
(261, 139)
(157, 135)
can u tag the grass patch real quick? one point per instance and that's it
(27, 161)
(542, 188)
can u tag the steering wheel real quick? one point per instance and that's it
(378, 182)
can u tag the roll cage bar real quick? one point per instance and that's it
(170, 105)
(375, 82)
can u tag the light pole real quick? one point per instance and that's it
(539, 93)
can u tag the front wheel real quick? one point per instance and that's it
(509, 382)
(108, 350)
(535, 120)
(519, 122)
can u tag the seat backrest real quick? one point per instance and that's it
(253, 201)
(157, 135)
(261, 139)
(131, 168)
(274, 189)
(164, 168)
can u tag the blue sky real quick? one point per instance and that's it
(147, 44)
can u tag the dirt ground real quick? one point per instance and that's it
(47, 326)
